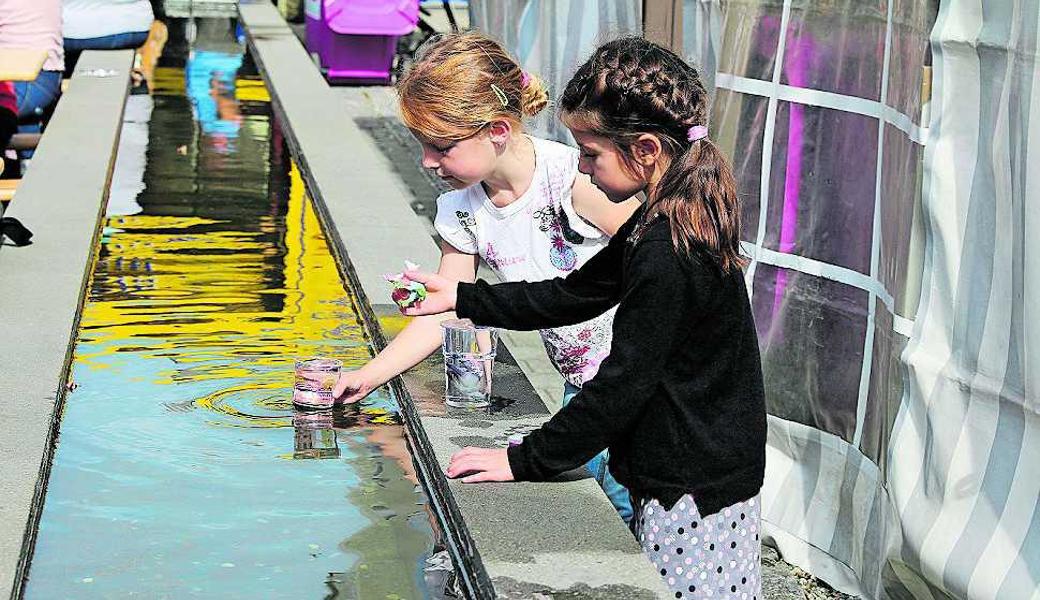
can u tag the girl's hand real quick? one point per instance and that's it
(351, 387)
(440, 294)
(482, 464)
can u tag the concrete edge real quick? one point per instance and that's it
(58, 266)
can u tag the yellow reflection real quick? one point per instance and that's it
(203, 297)
(169, 81)
(251, 90)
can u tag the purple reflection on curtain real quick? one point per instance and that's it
(796, 60)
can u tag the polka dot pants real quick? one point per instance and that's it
(716, 557)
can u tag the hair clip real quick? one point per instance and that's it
(501, 95)
(525, 79)
(697, 132)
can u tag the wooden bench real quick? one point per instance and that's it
(62, 200)
(21, 64)
(7, 188)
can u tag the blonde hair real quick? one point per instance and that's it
(460, 82)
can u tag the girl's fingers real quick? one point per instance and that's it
(469, 452)
(414, 311)
(466, 464)
(344, 384)
(479, 464)
(354, 397)
(482, 476)
(341, 387)
(429, 306)
(462, 465)
(419, 276)
(457, 468)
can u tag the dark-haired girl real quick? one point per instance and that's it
(679, 400)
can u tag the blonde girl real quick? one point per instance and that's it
(519, 202)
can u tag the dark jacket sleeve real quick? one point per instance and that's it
(655, 311)
(586, 293)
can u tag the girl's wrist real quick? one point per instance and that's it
(370, 374)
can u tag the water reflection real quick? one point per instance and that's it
(316, 430)
(315, 436)
(181, 467)
(211, 77)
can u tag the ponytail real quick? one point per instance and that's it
(698, 196)
(533, 96)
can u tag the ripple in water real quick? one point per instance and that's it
(249, 406)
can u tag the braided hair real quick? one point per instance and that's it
(630, 87)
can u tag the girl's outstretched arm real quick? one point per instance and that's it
(585, 293)
(662, 301)
(415, 342)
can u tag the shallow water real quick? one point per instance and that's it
(182, 469)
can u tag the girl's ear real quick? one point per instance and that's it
(647, 150)
(500, 131)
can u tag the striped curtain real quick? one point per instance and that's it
(890, 273)
(967, 434)
(552, 38)
(891, 281)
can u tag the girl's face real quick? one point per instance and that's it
(461, 163)
(602, 160)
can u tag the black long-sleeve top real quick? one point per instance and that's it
(679, 401)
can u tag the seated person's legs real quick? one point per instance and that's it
(34, 99)
(119, 41)
(8, 113)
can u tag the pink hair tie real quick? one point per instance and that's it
(525, 79)
(697, 132)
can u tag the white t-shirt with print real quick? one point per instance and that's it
(536, 237)
(86, 19)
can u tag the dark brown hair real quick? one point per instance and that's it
(631, 86)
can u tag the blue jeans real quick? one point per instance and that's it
(118, 41)
(598, 468)
(36, 96)
(34, 99)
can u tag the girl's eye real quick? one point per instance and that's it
(443, 149)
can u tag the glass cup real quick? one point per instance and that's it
(469, 355)
(315, 378)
